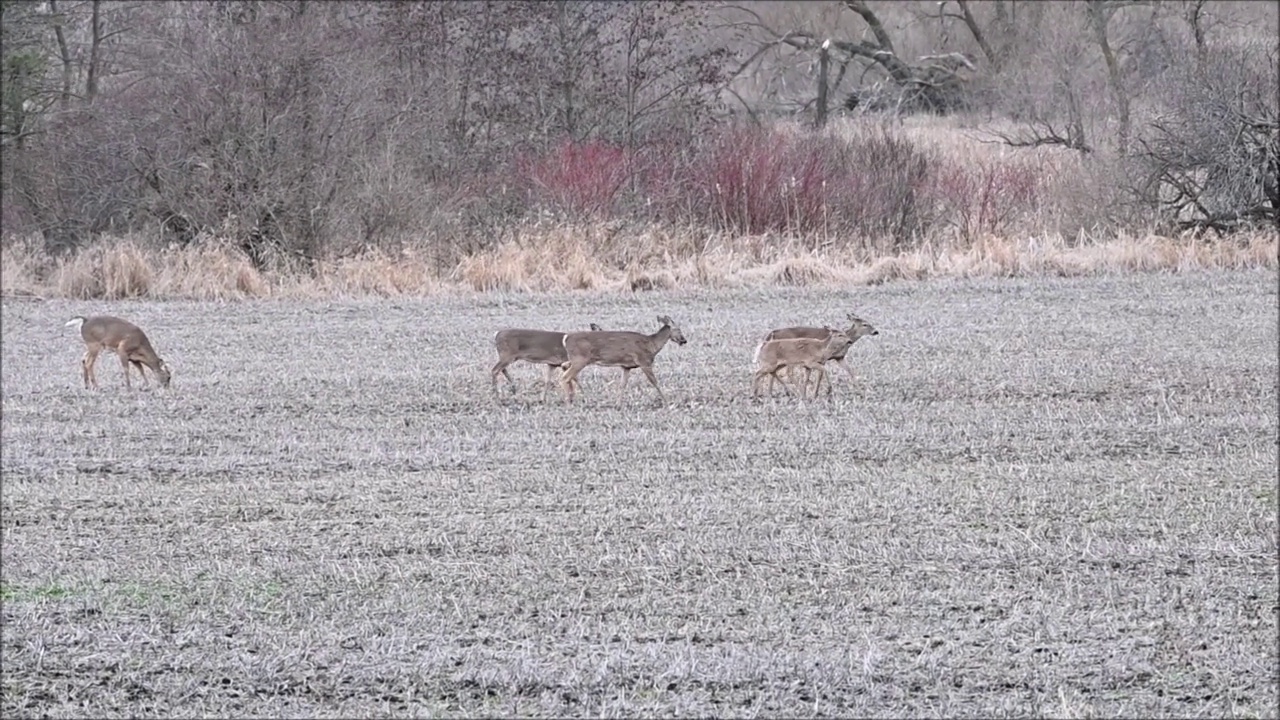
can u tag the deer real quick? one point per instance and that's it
(809, 353)
(540, 347)
(858, 328)
(618, 348)
(103, 332)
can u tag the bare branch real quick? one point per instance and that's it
(1039, 134)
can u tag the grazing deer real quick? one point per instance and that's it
(103, 332)
(617, 348)
(540, 347)
(857, 329)
(809, 353)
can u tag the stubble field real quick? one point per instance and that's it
(1043, 497)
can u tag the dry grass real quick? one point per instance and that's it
(1043, 497)
(374, 273)
(608, 258)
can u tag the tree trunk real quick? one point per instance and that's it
(979, 37)
(91, 83)
(1099, 15)
(824, 63)
(64, 54)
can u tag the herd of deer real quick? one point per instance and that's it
(792, 348)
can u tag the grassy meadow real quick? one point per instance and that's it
(1048, 496)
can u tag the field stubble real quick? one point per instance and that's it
(1052, 497)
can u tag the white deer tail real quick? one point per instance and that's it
(76, 322)
(756, 358)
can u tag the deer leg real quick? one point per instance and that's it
(141, 371)
(547, 380)
(653, 380)
(792, 371)
(853, 378)
(758, 379)
(821, 372)
(822, 375)
(774, 376)
(778, 373)
(86, 368)
(550, 380)
(569, 378)
(124, 363)
(626, 375)
(501, 369)
(786, 375)
(848, 369)
(564, 368)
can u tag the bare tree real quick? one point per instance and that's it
(44, 68)
(932, 82)
(1046, 89)
(1100, 13)
(1210, 159)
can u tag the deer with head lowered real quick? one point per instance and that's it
(618, 348)
(808, 353)
(540, 347)
(858, 328)
(103, 332)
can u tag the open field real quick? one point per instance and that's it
(1044, 497)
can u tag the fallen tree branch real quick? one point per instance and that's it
(1041, 133)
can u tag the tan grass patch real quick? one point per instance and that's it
(803, 271)
(563, 261)
(376, 273)
(641, 281)
(24, 268)
(210, 271)
(111, 271)
(605, 259)
(714, 269)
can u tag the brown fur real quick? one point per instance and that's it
(858, 328)
(540, 347)
(103, 332)
(809, 353)
(618, 348)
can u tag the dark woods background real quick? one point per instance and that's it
(296, 130)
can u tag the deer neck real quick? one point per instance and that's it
(658, 339)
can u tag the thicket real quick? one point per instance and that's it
(299, 132)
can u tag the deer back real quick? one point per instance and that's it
(541, 346)
(113, 332)
(790, 333)
(615, 347)
(790, 350)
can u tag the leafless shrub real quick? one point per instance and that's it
(1210, 158)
